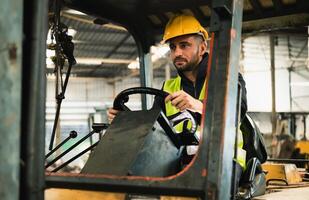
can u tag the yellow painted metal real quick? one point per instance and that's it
(64, 194)
(177, 198)
(303, 146)
(286, 173)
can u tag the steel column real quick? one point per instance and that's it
(220, 114)
(33, 100)
(145, 63)
(146, 76)
(273, 89)
(11, 16)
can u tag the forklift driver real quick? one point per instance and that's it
(188, 51)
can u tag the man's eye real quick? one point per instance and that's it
(183, 46)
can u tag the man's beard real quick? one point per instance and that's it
(189, 66)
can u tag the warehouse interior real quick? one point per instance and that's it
(94, 84)
(56, 102)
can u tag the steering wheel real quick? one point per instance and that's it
(123, 97)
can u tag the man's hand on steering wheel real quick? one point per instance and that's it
(183, 101)
(111, 114)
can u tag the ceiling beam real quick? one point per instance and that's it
(257, 7)
(268, 13)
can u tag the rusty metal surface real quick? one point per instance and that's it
(10, 96)
(220, 115)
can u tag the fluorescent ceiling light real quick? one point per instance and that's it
(134, 65)
(71, 32)
(74, 12)
(99, 61)
(90, 61)
(113, 26)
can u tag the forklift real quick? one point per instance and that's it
(208, 176)
(154, 151)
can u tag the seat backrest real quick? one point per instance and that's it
(253, 140)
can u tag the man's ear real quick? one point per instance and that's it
(203, 48)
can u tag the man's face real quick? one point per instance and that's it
(186, 52)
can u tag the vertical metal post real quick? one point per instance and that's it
(290, 88)
(273, 88)
(146, 76)
(220, 117)
(11, 18)
(33, 100)
(308, 48)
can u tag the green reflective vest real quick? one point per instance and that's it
(174, 85)
(171, 86)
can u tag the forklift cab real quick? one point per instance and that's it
(146, 138)
(209, 175)
(152, 155)
(141, 157)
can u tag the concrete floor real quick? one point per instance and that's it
(301, 193)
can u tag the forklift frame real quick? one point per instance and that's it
(208, 177)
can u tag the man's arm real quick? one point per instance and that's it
(183, 101)
(196, 106)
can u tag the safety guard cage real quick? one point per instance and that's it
(208, 177)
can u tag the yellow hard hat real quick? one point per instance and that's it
(183, 25)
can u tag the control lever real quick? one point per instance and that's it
(73, 134)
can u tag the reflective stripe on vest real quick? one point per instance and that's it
(174, 85)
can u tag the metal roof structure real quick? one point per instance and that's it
(157, 12)
(113, 47)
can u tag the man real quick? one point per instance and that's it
(188, 51)
(187, 42)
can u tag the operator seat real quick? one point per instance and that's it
(252, 182)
